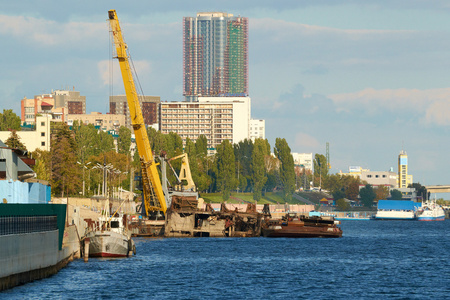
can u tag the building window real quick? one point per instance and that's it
(42, 143)
(42, 123)
(42, 133)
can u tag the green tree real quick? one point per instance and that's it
(259, 173)
(352, 191)
(9, 120)
(65, 177)
(42, 167)
(338, 194)
(320, 169)
(14, 142)
(381, 192)
(243, 154)
(420, 190)
(342, 205)
(333, 183)
(124, 140)
(174, 144)
(271, 166)
(367, 195)
(157, 140)
(86, 138)
(105, 142)
(287, 173)
(201, 145)
(396, 195)
(225, 169)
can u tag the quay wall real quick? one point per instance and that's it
(32, 256)
(29, 251)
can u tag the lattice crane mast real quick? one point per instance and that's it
(152, 188)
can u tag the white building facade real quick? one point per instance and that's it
(257, 129)
(39, 138)
(303, 160)
(218, 118)
(105, 122)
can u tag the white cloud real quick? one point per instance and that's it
(305, 141)
(439, 113)
(106, 69)
(41, 32)
(103, 69)
(432, 104)
(287, 30)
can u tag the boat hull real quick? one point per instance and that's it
(430, 211)
(395, 215)
(305, 232)
(431, 218)
(108, 244)
(302, 228)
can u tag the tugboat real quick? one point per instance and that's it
(293, 226)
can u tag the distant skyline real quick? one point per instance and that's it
(369, 77)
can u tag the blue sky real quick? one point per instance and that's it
(369, 77)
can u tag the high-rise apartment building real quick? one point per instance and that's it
(149, 106)
(404, 180)
(72, 101)
(215, 55)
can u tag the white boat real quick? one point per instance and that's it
(392, 214)
(430, 211)
(396, 210)
(109, 237)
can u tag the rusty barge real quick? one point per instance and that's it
(293, 226)
(184, 219)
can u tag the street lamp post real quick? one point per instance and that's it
(105, 167)
(84, 166)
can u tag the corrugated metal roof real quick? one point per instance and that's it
(398, 204)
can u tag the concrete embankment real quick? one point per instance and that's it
(32, 256)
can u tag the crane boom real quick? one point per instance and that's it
(153, 193)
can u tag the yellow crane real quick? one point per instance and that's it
(185, 172)
(153, 193)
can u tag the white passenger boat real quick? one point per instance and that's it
(396, 210)
(392, 214)
(430, 211)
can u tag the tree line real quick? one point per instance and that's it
(78, 153)
(247, 166)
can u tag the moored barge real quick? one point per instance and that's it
(301, 227)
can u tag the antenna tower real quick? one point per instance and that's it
(328, 156)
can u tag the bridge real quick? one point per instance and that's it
(438, 188)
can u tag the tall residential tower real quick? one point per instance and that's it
(215, 55)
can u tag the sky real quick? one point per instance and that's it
(371, 78)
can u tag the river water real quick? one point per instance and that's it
(373, 260)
